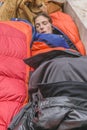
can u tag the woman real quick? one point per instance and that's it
(55, 64)
(60, 73)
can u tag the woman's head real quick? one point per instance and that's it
(43, 23)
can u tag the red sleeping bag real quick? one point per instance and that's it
(66, 24)
(15, 38)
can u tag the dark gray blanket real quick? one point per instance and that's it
(64, 80)
(60, 70)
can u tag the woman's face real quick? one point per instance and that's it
(43, 25)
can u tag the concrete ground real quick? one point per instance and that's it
(78, 10)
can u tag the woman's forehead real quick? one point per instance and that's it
(41, 19)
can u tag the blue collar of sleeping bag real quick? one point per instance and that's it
(53, 40)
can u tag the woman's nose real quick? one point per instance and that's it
(41, 26)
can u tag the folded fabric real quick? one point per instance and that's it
(52, 40)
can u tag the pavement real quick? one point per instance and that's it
(78, 10)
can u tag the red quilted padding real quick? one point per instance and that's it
(66, 24)
(15, 39)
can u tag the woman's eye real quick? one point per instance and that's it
(37, 26)
(45, 22)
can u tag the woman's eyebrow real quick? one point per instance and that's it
(37, 24)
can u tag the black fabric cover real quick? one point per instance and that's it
(37, 60)
(63, 83)
(66, 78)
(59, 70)
(56, 113)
